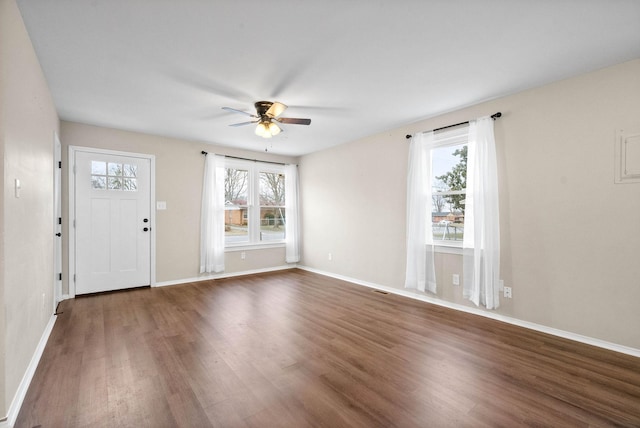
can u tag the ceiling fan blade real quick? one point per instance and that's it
(233, 110)
(276, 109)
(243, 123)
(294, 121)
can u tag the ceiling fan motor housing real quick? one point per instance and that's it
(262, 107)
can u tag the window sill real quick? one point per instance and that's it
(448, 248)
(258, 246)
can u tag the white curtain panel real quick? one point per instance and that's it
(481, 243)
(420, 271)
(292, 225)
(212, 216)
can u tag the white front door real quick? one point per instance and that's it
(112, 222)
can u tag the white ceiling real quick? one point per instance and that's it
(354, 67)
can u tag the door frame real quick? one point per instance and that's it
(57, 221)
(72, 208)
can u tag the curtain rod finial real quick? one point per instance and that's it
(204, 153)
(408, 136)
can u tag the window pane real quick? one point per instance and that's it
(99, 168)
(448, 226)
(236, 224)
(271, 189)
(130, 184)
(115, 169)
(272, 223)
(449, 168)
(115, 183)
(449, 181)
(236, 182)
(130, 170)
(98, 182)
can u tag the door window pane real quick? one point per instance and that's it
(98, 168)
(98, 182)
(115, 183)
(130, 184)
(114, 169)
(130, 170)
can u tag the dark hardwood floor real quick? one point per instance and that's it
(296, 349)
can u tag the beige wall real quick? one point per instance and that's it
(179, 172)
(29, 121)
(570, 236)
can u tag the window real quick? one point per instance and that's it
(455, 171)
(254, 203)
(114, 176)
(272, 206)
(236, 205)
(449, 186)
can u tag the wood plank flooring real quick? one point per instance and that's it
(296, 349)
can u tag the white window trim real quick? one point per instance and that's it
(448, 248)
(254, 169)
(247, 246)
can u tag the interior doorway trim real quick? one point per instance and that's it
(72, 204)
(57, 220)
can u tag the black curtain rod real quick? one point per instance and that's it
(253, 160)
(493, 116)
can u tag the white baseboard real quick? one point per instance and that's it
(223, 275)
(515, 321)
(18, 398)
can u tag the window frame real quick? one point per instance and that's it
(254, 168)
(447, 138)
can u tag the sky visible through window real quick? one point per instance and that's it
(443, 160)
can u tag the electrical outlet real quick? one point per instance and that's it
(330, 256)
(507, 292)
(456, 279)
(243, 255)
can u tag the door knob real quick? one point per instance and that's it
(146, 220)
(58, 234)
(146, 229)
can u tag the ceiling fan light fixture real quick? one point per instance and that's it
(274, 129)
(261, 130)
(267, 117)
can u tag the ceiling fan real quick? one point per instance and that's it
(267, 114)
